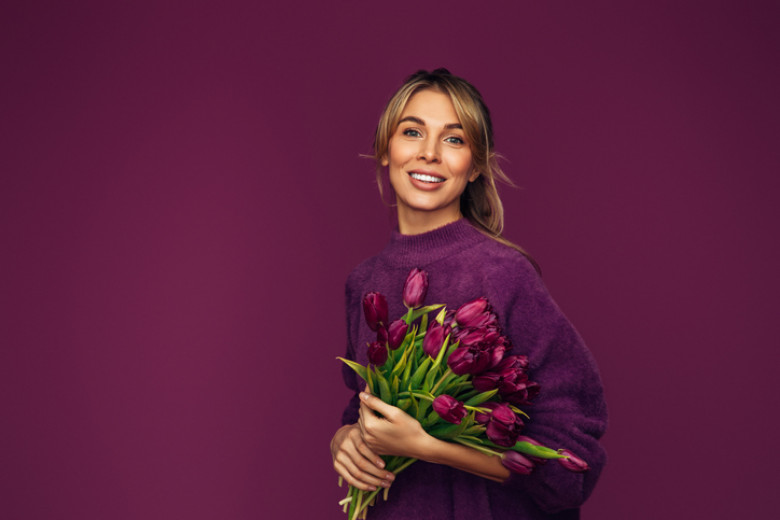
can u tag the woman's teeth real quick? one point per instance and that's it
(425, 178)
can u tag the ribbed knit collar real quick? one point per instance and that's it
(422, 249)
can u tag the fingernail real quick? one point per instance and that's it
(390, 477)
(363, 396)
(373, 488)
(385, 484)
(380, 463)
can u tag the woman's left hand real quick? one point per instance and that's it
(395, 433)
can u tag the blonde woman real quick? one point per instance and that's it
(435, 140)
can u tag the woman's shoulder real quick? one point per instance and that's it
(501, 262)
(360, 274)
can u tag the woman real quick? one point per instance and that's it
(435, 139)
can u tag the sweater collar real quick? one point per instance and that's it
(433, 245)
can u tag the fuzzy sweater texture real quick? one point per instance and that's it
(569, 412)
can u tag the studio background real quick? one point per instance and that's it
(182, 197)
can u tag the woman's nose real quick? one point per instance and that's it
(429, 150)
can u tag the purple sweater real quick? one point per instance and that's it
(570, 412)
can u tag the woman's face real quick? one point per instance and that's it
(429, 162)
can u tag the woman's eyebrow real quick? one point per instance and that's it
(418, 121)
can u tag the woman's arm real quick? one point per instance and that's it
(398, 433)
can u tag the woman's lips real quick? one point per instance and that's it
(426, 177)
(425, 180)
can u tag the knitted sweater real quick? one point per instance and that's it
(569, 412)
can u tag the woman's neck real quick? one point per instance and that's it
(418, 222)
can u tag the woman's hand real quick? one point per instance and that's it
(398, 433)
(356, 462)
(395, 433)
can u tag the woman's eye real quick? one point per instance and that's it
(411, 132)
(455, 140)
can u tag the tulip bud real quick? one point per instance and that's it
(484, 417)
(517, 463)
(504, 426)
(434, 339)
(377, 353)
(573, 462)
(472, 314)
(396, 333)
(375, 310)
(415, 288)
(449, 409)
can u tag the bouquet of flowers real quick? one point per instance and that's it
(449, 369)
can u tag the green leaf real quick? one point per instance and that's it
(357, 367)
(445, 431)
(481, 398)
(518, 410)
(384, 390)
(422, 409)
(414, 382)
(455, 430)
(429, 379)
(370, 380)
(424, 310)
(414, 409)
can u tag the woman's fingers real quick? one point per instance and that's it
(359, 465)
(378, 405)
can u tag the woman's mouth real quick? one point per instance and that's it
(424, 177)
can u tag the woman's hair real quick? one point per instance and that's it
(480, 202)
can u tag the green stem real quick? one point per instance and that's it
(444, 376)
(364, 499)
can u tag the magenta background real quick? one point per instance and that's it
(182, 199)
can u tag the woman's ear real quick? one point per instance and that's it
(474, 176)
(383, 161)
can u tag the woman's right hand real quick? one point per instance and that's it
(354, 460)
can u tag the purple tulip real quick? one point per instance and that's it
(573, 462)
(375, 310)
(415, 288)
(382, 335)
(523, 394)
(475, 313)
(484, 418)
(510, 378)
(503, 434)
(434, 339)
(475, 359)
(449, 409)
(504, 426)
(486, 381)
(377, 353)
(396, 333)
(474, 336)
(503, 414)
(517, 463)
(449, 317)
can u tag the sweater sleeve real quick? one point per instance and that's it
(350, 414)
(569, 411)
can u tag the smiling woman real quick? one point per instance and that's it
(430, 162)
(435, 140)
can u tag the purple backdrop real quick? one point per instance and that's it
(182, 198)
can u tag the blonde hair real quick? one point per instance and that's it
(480, 202)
